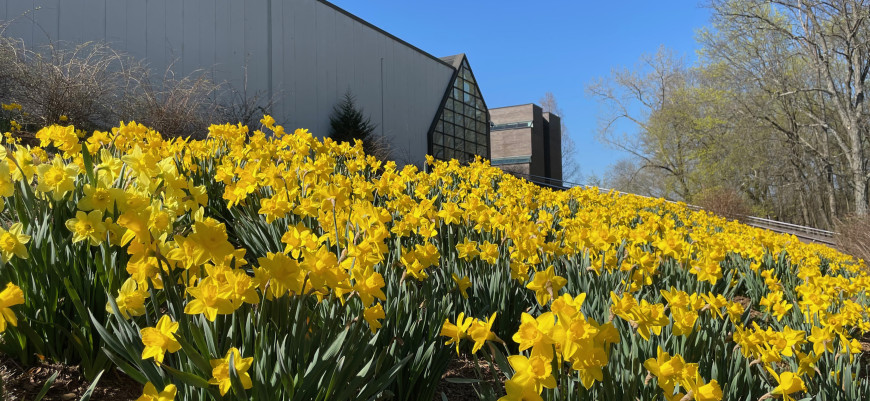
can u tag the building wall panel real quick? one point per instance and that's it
(326, 61)
(19, 13)
(257, 47)
(116, 25)
(284, 77)
(202, 54)
(173, 37)
(90, 20)
(305, 66)
(155, 35)
(135, 38)
(46, 21)
(234, 67)
(222, 37)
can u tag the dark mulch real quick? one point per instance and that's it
(25, 384)
(21, 384)
(462, 367)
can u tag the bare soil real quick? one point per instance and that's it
(25, 384)
(462, 367)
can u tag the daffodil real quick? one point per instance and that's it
(12, 242)
(467, 249)
(208, 300)
(535, 333)
(323, 268)
(537, 371)
(211, 237)
(88, 227)
(822, 339)
(10, 296)
(519, 392)
(284, 274)
(160, 339)
(481, 331)
(369, 285)
(7, 181)
(489, 252)
(150, 393)
(457, 331)
(649, 318)
(462, 283)
(221, 370)
(666, 368)
(789, 383)
(546, 285)
(239, 288)
(299, 238)
(707, 391)
(56, 178)
(99, 198)
(372, 315)
(131, 299)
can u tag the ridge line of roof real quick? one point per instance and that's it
(455, 60)
(394, 37)
(516, 105)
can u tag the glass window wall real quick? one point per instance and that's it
(462, 130)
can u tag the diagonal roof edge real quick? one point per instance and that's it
(394, 37)
(454, 60)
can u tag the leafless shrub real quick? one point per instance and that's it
(96, 87)
(239, 105)
(173, 106)
(80, 82)
(381, 148)
(724, 202)
(853, 236)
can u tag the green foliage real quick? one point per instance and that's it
(348, 123)
(769, 110)
(63, 284)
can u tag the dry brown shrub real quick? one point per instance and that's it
(381, 148)
(853, 236)
(724, 202)
(80, 82)
(173, 106)
(96, 87)
(241, 105)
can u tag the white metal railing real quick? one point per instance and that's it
(792, 227)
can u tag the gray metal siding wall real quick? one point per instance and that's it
(317, 53)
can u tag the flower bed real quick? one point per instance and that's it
(271, 265)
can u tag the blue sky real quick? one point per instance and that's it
(521, 49)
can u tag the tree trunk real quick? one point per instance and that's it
(860, 195)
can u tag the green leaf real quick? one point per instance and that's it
(462, 380)
(237, 387)
(188, 378)
(87, 394)
(47, 386)
(89, 163)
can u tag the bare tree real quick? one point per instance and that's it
(825, 45)
(653, 98)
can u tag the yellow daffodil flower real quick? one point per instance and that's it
(221, 370)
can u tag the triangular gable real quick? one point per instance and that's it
(461, 127)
